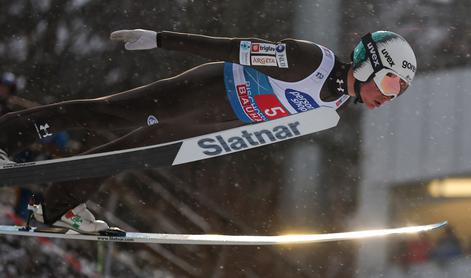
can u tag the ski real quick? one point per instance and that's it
(208, 239)
(169, 154)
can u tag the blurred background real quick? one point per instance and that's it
(408, 163)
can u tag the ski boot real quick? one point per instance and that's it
(78, 219)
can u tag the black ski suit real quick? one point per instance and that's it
(190, 104)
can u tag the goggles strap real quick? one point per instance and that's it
(372, 52)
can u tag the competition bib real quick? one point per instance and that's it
(256, 97)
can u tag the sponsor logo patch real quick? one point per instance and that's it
(263, 61)
(281, 57)
(281, 48)
(300, 101)
(246, 100)
(221, 144)
(245, 45)
(152, 120)
(342, 100)
(340, 88)
(244, 53)
(43, 130)
(263, 48)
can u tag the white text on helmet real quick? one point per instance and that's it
(373, 54)
(388, 58)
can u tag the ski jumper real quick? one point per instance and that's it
(259, 80)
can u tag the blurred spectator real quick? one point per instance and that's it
(412, 252)
(447, 247)
(400, 254)
(23, 195)
(418, 251)
(7, 90)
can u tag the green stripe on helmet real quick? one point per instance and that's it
(359, 53)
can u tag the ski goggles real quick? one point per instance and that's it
(389, 83)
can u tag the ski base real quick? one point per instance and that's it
(208, 239)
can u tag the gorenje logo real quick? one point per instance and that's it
(218, 144)
(374, 55)
(300, 101)
(407, 65)
(388, 57)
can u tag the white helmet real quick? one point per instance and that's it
(384, 54)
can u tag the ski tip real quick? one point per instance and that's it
(331, 113)
(439, 225)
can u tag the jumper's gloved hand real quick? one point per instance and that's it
(137, 39)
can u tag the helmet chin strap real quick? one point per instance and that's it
(356, 89)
